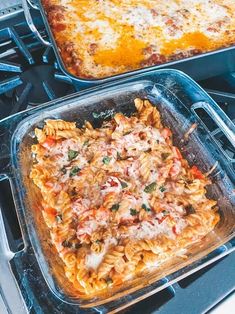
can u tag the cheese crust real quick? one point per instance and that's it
(101, 38)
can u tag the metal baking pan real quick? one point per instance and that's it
(178, 98)
(199, 67)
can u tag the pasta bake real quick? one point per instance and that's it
(101, 38)
(118, 199)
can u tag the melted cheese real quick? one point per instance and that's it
(93, 260)
(195, 39)
(126, 33)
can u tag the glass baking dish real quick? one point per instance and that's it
(179, 99)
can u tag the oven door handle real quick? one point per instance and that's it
(30, 23)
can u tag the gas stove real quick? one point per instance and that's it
(29, 76)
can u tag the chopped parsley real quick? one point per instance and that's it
(189, 209)
(106, 160)
(77, 246)
(115, 207)
(109, 281)
(63, 170)
(150, 188)
(95, 115)
(146, 208)
(59, 218)
(123, 184)
(118, 156)
(162, 188)
(75, 170)
(133, 212)
(98, 241)
(72, 154)
(165, 155)
(126, 133)
(85, 143)
(66, 243)
(165, 212)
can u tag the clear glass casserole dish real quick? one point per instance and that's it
(179, 100)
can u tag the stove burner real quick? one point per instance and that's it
(41, 85)
(29, 76)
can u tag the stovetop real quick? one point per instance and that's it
(29, 76)
(9, 3)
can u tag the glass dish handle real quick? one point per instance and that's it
(30, 22)
(224, 123)
(5, 167)
(33, 5)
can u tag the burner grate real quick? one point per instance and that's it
(29, 77)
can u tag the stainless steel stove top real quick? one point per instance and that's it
(6, 4)
(9, 8)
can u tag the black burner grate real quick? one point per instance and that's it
(28, 76)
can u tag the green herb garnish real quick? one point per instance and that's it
(98, 241)
(63, 170)
(147, 209)
(127, 132)
(150, 188)
(75, 170)
(77, 246)
(85, 143)
(106, 160)
(109, 281)
(115, 207)
(66, 243)
(72, 154)
(118, 156)
(95, 115)
(59, 218)
(133, 212)
(165, 212)
(165, 155)
(189, 209)
(124, 184)
(162, 188)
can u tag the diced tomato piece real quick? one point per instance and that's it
(166, 133)
(49, 142)
(162, 219)
(59, 27)
(177, 153)
(49, 184)
(50, 210)
(112, 182)
(174, 230)
(126, 192)
(197, 173)
(109, 151)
